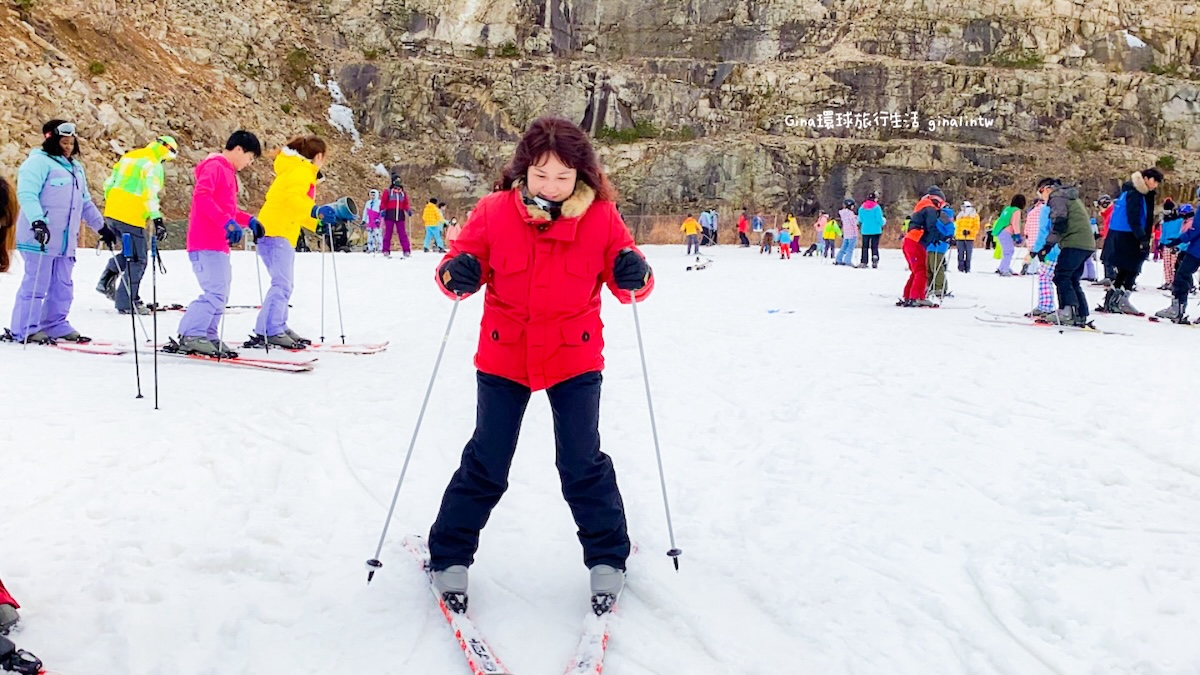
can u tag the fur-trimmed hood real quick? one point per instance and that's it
(574, 207)
(1139, 183)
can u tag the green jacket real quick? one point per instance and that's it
(1070, 224)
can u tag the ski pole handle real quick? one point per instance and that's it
(127, 246)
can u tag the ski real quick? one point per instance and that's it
(699, 264)
(88, 347)
(588, 658)
(239, 362)
(171, 349)
(1185, 322)
(1046, 324)
(480, 657)
(324, 347)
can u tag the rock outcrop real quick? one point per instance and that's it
(788, 105)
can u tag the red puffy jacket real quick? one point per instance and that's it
(541, 312)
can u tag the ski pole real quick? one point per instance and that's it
(127, 253)
(154, 318)
(132, 301)
(37, 280)
(258, 273)
(337, 290)
(374, 565)
(675, 552)
(323, 288)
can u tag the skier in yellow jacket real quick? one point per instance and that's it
(131, 204)
(289, 206)
(433, 218)
(691, 228)
(966, 228)
(830, 235)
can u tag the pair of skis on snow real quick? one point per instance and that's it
(1022, 320)
(588, 658)
(170, 350)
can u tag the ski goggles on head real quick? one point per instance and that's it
(65, 129)
(169, 144)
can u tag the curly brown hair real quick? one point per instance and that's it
(569, 143)
(8, 222)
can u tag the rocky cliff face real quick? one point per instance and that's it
(791, 104)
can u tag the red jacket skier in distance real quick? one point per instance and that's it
(541, 310)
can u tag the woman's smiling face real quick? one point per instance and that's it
(550, 179)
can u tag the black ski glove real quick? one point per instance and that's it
(257, 228)
(461, 274)
(1171, 243)
(41, 232)
(630, 271)
(160, 229)
(108, 236)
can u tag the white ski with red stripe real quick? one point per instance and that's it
(480, 657)
(588, 658)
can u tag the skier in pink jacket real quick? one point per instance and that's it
(214, 223)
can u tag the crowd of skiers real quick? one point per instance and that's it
(386, 216)
(53, 202)
(1057, 232)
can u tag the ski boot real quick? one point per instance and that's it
(302, 340)
(284, 340)
(1126, 307)
(74, 336)
(1063, 317)
(137, 309)
(924, 302)
(607, 583)
(107, 286)
(874, 261)
(1109, 304)
(201, 345)
(1172, 313)
(18, 660)
(451, 583)
(904, 302)
(1037, 313)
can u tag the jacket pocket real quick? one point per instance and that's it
(499, 329)
(582, 331)
(512, 263)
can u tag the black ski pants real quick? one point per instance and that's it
(589, 481)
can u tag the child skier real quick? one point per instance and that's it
(432, 216)
(371, 218)
(849, 234)
(1007, 232)
(1172, 224)
(966, 228)
(785, 243)
(935, 253)
(395, 209)
(1188, 263)
(1049, 258)
(830, 235)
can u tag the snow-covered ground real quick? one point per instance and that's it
(857, 488)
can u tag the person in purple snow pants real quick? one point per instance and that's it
(395, 209)
(214, 223)
(54, 200)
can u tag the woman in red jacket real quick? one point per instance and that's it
(544, 243)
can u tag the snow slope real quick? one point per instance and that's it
(857, 488)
